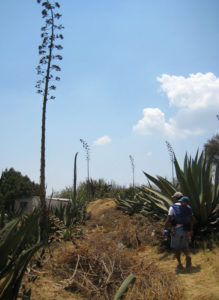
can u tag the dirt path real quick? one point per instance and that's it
(201, 282)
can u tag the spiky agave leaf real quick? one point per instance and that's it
(7, 241)
(196, 181)
(163, 184)
(156, 203)
(199, 180)
(19, 241)
(10, 284)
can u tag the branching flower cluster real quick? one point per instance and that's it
(87, 149)
(50, 33)
(172, 157)
(133, 168)
(171, 152)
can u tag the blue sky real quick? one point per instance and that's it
(134, 74)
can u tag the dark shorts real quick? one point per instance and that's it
(179, 238)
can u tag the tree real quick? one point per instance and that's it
(50, 32)
(14, 185)
(212, 148)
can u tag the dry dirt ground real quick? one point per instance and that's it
(201, 282)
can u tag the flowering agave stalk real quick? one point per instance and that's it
(133, 169)
(87, 151)
(171, 154)
(50, 33)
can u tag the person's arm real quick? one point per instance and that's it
(169, 218)
(191, 225)
(167, 223)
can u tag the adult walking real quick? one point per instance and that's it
(181, 217)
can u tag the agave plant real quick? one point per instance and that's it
(73, 212)
(19, 240)
(128, 200)
(156, 202)
(199, 180)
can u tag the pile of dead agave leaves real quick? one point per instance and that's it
(99, 261)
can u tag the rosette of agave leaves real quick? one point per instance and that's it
(199, 180)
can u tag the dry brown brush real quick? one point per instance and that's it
(98, 266)
(152, 283)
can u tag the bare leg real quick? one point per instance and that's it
(178, 253)
(188, 258)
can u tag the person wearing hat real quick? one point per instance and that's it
(181, 216)
(176, 196)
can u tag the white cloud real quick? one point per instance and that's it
(198, 91)
(102, 141)
(197, 100)
(149, 153)
(153, 121)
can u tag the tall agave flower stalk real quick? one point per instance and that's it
(87, 151)
(132, 161)
(75, 179)
(171, 154)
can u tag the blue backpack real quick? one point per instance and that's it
(182, 214)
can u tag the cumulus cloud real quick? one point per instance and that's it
(198, 91)
(153, 121)
(196, 99)
(102, 141)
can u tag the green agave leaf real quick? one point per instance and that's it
(193, 192)
(167, 187)
(10, 286)
(157, 194)
(153, 203)
(216, 188)
(7, 241)
(181, 178)
(15, 243)
(154, 180)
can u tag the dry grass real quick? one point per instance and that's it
(153, 283)
(131, 231)
(113, 246)
(98, 267)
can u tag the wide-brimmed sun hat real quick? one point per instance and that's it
(177, 195)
